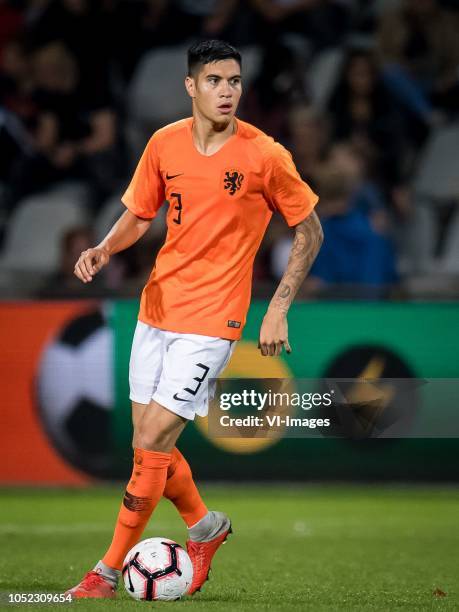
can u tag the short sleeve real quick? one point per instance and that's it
(145, 193)
(284, 188)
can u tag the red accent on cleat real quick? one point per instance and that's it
(201, 555)
(92, 585)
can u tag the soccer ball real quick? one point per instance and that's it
(75, 396)
(157, 568)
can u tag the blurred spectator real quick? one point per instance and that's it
(229, 20)
(277, 86)
(63, 283)
(356, 249)
(309, 134)
(323, 22)
(419, 45)
(16, 80)
(134, 265)
(75, 132)
(364, 112)
(33, 10)
(366, 195)
(17, 107)
(204, 18)
(79, 25)
(142, 23)
(11, 21)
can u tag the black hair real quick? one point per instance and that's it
(207, 51)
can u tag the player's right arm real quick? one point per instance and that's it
(143, 198)
(126, 231)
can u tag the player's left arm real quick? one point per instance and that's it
(306, 244)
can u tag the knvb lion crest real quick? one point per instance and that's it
(233, 181)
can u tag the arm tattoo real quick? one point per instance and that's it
(306, 245)
(284, 291)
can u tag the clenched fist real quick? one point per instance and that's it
(90, 262)
(274, 334)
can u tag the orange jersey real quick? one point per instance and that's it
(219, 207)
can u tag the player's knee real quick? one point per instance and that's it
(153, 439)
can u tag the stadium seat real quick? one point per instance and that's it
(113, 209)
(156, 95)
(437, 177)
(108, 215)
(449, 262)
(436, 184)
(251, 60)
(35, 229)
(323, 74)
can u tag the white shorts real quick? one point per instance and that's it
(173, 369)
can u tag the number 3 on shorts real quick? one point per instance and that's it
(198, 380)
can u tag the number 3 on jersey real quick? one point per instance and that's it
(178, 207)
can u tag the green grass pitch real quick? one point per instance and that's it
(294, 548)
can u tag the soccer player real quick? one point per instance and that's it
(222, 180)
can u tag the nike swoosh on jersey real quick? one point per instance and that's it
(168, 178)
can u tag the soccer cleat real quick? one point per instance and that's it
(201, 555)
(93, 585)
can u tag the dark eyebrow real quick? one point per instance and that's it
(217, 76)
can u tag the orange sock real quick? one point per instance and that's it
(143, 493)
(182, 491)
